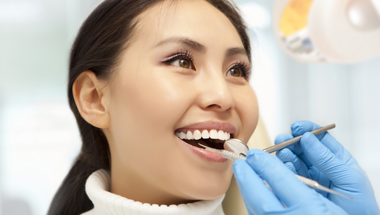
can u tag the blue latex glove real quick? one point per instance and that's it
(323, 159)
(259, 199)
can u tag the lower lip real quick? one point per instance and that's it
(205, 154)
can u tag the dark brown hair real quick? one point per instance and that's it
(100, 41)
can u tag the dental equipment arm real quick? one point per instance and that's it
(317, 31)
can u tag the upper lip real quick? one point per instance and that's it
(209, 125)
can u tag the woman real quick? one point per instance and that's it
(148, 80)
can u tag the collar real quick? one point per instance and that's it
(105, 202)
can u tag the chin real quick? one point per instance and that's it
(208, 190)
(210, 194)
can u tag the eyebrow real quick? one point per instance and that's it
(199, 47)
(194, 45)
(234, 51)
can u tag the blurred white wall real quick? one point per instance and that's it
(38, 135)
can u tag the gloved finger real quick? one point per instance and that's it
(333, 208)
(283, 181)
(285, 155)
(301, 127)
(322, 179)
(322, 158)
(257, 196)
(336, 148)
(282, 138)
(295, 148)
(316, 205)
(290, 166)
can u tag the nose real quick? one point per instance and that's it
(215, 94)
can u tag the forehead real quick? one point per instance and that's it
(196, 19)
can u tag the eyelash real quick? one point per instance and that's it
(178, 55)
(243, 66)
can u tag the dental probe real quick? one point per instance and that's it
(294, 140)
(311, 183)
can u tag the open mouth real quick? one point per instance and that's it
(211, 138)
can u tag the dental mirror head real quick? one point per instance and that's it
(236, 146)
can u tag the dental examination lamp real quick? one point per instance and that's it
(336, 31)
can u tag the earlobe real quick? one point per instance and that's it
(90, 96)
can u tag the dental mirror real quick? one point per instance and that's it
(236, 146)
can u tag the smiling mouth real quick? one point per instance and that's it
(214, 139)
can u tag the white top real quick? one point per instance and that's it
(105, 202)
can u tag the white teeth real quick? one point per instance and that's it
(197, 135)
(221, 135)
(205, 134)
(182, 135)
(214, 134)
(189, 135)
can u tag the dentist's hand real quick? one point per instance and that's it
(323, 159)
(259, 199)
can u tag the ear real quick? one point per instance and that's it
(91, 99)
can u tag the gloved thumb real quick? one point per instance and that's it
(323, 159)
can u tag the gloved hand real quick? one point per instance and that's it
(259, 199)
(323, 159)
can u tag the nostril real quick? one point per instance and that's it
(214, 105)
(219, 107)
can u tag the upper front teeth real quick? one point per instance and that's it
(213, 134)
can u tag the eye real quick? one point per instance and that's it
(235, 72)
(240, 69)
(183, 62)
(181, 59)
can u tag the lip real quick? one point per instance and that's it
(208, 125)
(203, 153)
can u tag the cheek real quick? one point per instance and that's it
(248, 110)
(152, 97)
(146, 106)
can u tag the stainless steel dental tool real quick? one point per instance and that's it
(236, 146)
(294, 140)
(237, 149)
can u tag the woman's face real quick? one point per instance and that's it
(183, 71)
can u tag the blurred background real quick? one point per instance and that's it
(39, 138)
